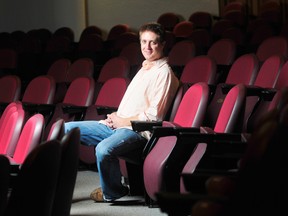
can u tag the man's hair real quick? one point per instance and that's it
(154, 27)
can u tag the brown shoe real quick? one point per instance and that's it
(97, 195)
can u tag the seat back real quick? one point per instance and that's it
(117, 30)
(201, 20)
(30, 137)
(110, 96)
(112, 91)
(34, 188)
(80, 92)
(230, 117)
(91, 29)
(183, 30)
(40, 90)
(80, 68)
(65, 31)
(10, 88)
(57, 130)
(168, 20)
(199, 69)
(114, 67)
(243, 70)
(11, 124)
(192, 108)
(59, 69)
(276, 45)
(269, 71)
(179, 55)
(223, 51)
(67, 174)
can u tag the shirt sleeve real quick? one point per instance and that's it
(160, 95)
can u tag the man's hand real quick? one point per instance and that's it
(114, 121)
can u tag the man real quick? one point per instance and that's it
(147, 98)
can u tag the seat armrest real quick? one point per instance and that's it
(104, 110)
(73, 109)
(220, 144)
(41, 108)
(266, 93)
(159, 131)
(77, 111)
(207, 130)
(139, 126)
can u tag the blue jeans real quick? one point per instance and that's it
(109, 144)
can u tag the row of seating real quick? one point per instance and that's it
(258, 101)
(252, 185)
(182, 116)
(199, 69)
(30, 66)
(37, 175)
(183, 145)
(21, 131)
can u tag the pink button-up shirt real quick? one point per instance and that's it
(150, 93)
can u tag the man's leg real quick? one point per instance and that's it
(91, 132)
(122, 140)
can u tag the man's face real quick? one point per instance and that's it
(151, 48)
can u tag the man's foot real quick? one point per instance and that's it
(97, 195)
